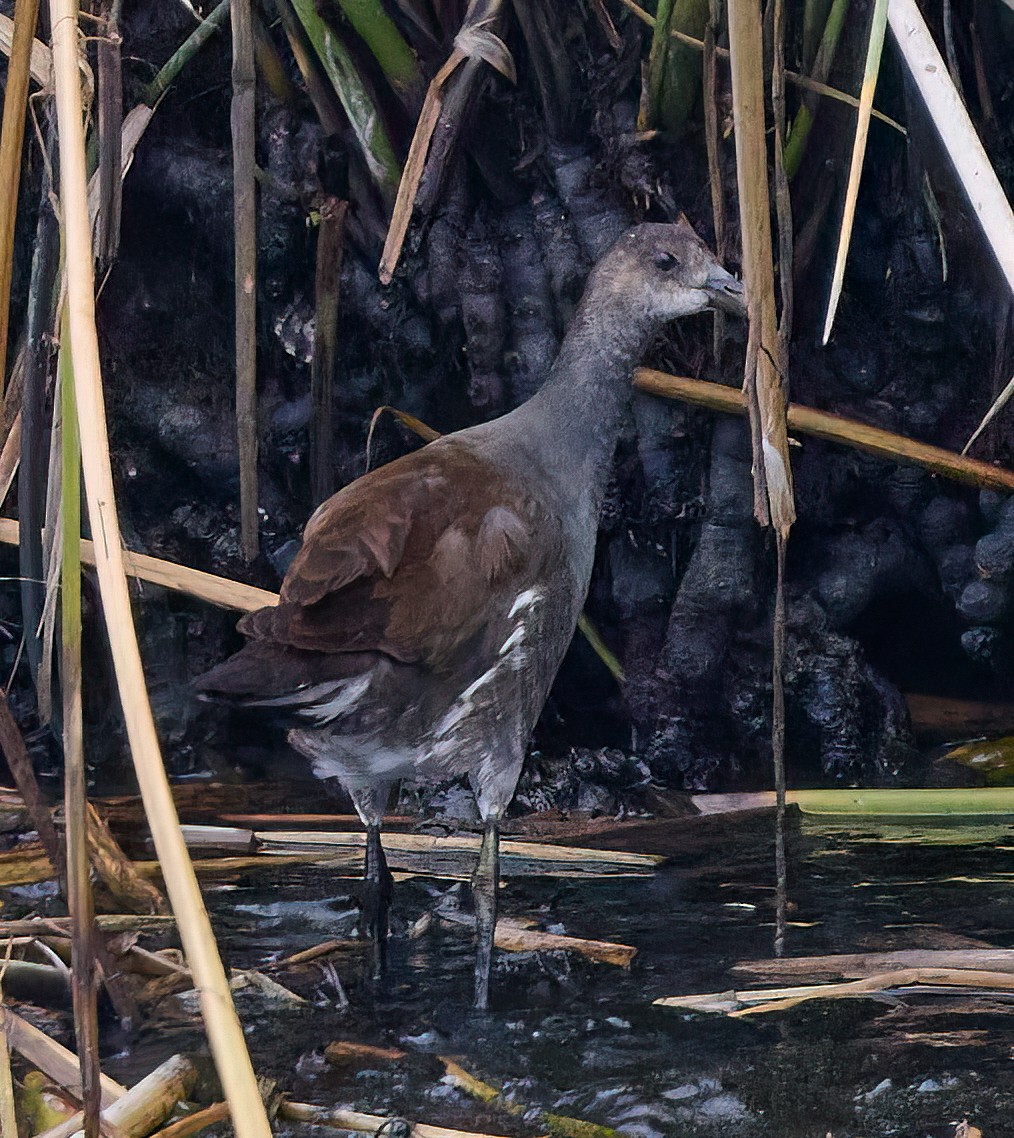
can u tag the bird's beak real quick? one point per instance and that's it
(725, 292)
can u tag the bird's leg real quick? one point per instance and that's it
(485, 883)
(378, 887)
(378, 884)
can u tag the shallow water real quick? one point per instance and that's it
(581, 1039)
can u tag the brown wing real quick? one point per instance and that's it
(404, 560)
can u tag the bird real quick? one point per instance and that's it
(424, 618)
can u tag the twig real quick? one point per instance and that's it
(761, 1000)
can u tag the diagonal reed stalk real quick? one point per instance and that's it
(395, 58)
(355, 97)
(878, 29)
(224, 1031)
(185, 52)
(978, 179)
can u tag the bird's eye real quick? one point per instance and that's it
(666, 262)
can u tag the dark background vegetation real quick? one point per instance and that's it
(897, 581)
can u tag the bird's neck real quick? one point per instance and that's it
(576, 418)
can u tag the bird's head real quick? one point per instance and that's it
(665, 271)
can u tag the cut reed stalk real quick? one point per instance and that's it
(415, 164)
(225, 1034)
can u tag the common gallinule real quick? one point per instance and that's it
(424, 618)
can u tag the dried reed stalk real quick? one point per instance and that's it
(52, 1058)
(41, 63)
(194, 582)
(146, 1105)
(878, 29)
(225, 1034)
(834, 428)
(762, 384)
